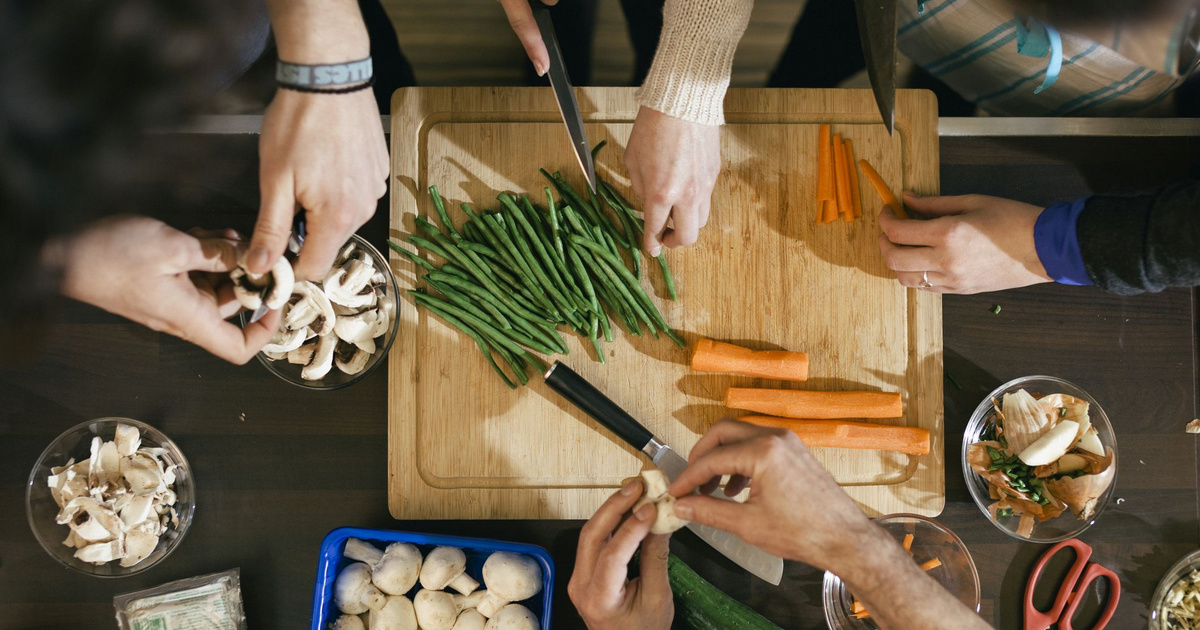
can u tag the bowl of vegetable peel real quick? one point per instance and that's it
(1040, 459)
(1176, 601)
(933, 547)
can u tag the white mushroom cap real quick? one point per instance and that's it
(397, 571)
(348, 622)
(285, 341)
(397, 614)
(349, 284)
(510, 577)
(655, 493)
(513, 617)
(470, 620)
(444, 567)
(435, 610)
(312, 310)
(322, 359)
(353, 592)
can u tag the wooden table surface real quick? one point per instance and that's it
(277, 467)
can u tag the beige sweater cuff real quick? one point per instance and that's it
(691, 68)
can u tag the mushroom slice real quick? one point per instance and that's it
(322, 359)
(128, 439)
(303, 354)
(314, 310)
(137, 510)
(356, 363)
(142, 473)
(350, 284)
(285, 341)
(139, 543)
(273, 288)
(100, 553)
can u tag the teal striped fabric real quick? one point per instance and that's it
(971, 45)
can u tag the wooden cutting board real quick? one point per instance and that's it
(463, 446)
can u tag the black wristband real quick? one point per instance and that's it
(343, 90)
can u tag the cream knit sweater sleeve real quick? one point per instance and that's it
(691, 67)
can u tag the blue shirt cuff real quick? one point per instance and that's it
(1057, 243)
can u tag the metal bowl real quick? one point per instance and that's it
(931, 539)
(336, 379)
(1186, 565)
(1056, 529)
(75, 442)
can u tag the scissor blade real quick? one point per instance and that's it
(877, 30)
(564, 94)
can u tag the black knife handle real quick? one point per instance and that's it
(584, 395)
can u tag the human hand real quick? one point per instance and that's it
(795, 509)
(324, 153)
(974, 243)
(673, 165)
(520, 18)
(167, 280)
(599, 587)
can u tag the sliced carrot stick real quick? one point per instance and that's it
(824, 190)
(852, 171)
(881, 187)
(846, 434)
(932, 564)
(857, 606)
(716, 356)
(845, 201)
(795, 403)
(830, 211)
(908, 541)
(838, 174)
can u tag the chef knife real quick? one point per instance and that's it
(877, 31)
(584, 395)
(564, 94)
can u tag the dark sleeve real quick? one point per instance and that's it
(1142, 241)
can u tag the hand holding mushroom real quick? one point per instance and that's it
(167, 280)
(600, 586)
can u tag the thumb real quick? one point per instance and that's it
(723, 515)
(939, 206)
(274, 225)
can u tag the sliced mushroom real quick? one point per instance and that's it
(322, 359)
(313, 310)
(349, 284)
(303, 354)
(272, 288)
(101, 553)
(128, 439)
(139, 543)
(351, 359)
(285, 341)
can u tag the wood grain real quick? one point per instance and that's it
(763, 274)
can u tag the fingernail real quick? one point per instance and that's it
(541, 69)
(909, 194)
(644, 513)
(684, 511)
(258, 258)
(656, 250)
(629, 488)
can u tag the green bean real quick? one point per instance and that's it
(514, 362)
(433, 247)
(593, 333)
(508, 338)
(548, 267)
(586, 281)
(441, 210)
(469, 265)
(557, 266)
(483, 347)
(634, 286)
(613, 282)
(456, 271)
(413, 256)
(519, 316)
(565, 306)
(667, 278)
(555, 231)
(608, 334)
(456, 296)
(495, 222)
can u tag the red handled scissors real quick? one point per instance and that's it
(1073, 589)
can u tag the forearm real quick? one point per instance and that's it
(694, 59)
(318, 31)
(1142, 241)
(896, 592)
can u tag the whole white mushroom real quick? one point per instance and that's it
(353, 592)
(435, 610)
(509, 577)
(396, 614)
(393, 570)
(446, 567)
(513, 617)
(347, 622)
(470, 620)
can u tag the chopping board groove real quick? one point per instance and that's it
(763, 274)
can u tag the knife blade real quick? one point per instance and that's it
(564, 94)
(877, 31)
(584, 395)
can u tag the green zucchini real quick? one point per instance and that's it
(702, 606)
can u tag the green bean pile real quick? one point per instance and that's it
(512, 275)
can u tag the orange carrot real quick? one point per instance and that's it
(830, 211)
(881, 187)
(715, 356)
(838, 174)
(845, 201)
(794, 403)
(824, 190)
(861, 615)
(852, 171)
(846, 434)
(857, 606)
(930, 565)
(908, 541)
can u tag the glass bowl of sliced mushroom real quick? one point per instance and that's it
(110, 497)
(333, 332)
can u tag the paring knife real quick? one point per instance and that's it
(877, 31)
(584, 395)
(564, 94)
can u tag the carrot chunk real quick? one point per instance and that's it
(881, 187)
(794, 403)
(716, 356)
(846, 434)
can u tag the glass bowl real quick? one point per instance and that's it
(337, 379)
(931, 539)
(75, 442)
(1056, 529)
(1186, 565)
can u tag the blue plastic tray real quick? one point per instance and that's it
(332, 561)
